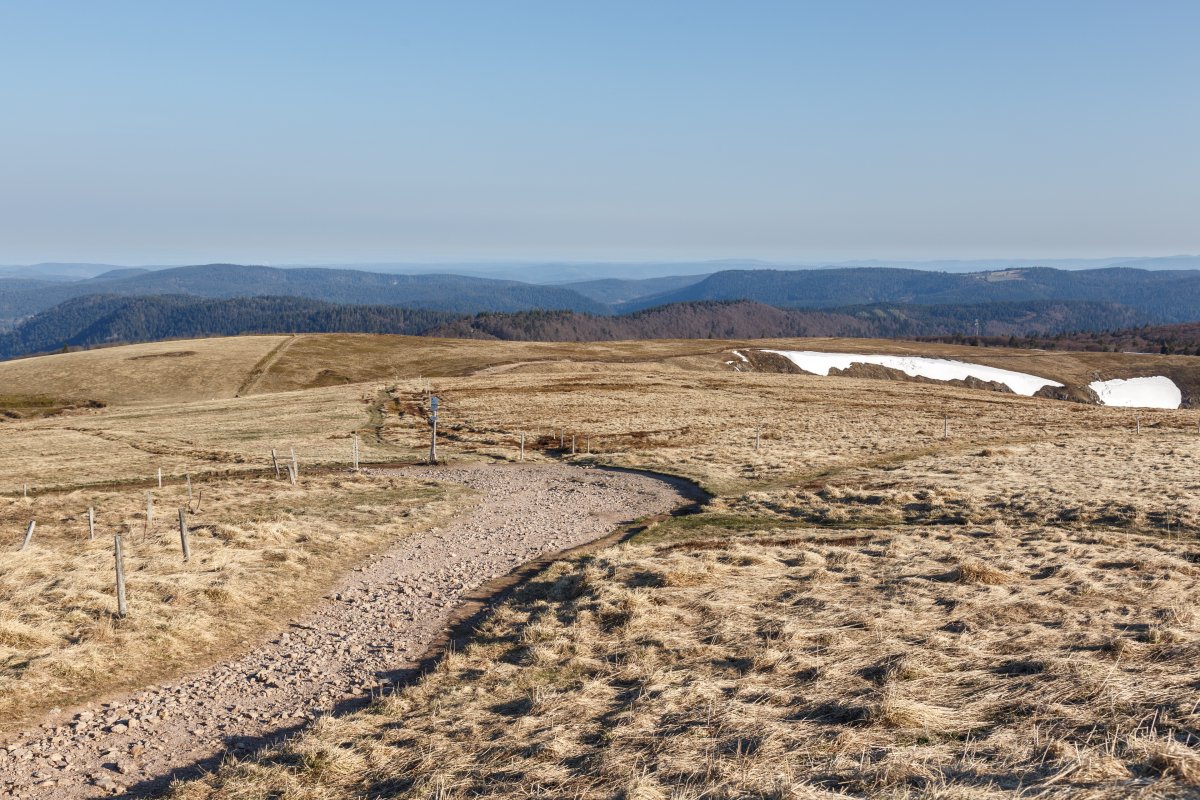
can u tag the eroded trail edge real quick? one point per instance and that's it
(366, 635)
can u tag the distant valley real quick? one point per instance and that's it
(1087, 309)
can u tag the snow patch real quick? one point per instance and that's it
(738, 353)
(938, 369)
(1155, 392)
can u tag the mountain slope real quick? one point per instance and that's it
(751, 320)
(108, 319)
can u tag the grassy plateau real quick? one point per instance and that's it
(902, 590)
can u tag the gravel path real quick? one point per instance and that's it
(368, 633)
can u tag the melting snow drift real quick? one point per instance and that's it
(938, 369)
(1156, 392)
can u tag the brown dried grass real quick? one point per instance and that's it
(261, 549)
(865, 608)
(764, 674)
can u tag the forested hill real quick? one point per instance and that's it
(1160, 296)
(101, 320)
(455, 293)
(112, 319)
(751, 320)
(1180, 339)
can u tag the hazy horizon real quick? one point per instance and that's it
(318, 133)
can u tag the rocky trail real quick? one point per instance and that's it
(368, 633)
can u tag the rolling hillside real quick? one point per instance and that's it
(210, 369)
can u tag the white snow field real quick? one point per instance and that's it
(939, 369)
(1155, 392)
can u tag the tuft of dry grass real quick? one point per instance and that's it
(975, 571)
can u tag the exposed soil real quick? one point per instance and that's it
(367, 635)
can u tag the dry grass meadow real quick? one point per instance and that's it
(260, 550)
(866, 608)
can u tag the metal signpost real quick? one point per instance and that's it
(433, 408)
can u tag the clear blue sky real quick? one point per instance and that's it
(178, 132)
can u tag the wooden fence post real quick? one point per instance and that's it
(28, 534)
(91, 523)
(1139, 423)
(183, 535)
(120, 558)
(25, 490)
(275, 463)
(945, 426)
(354, 452)
(160, 477)
(572, 444)
(522, 445)
(295, 465)
(292, 473)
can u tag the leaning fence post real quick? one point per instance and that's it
(28, 534)
(183, 535)
(117, 554)
(292, 473)
(275, 463)
(91, 523)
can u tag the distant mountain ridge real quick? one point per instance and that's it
(452, 293)
(860, 301)
(1160, 296)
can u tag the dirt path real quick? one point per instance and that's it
(368, 633)
(260, 370)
